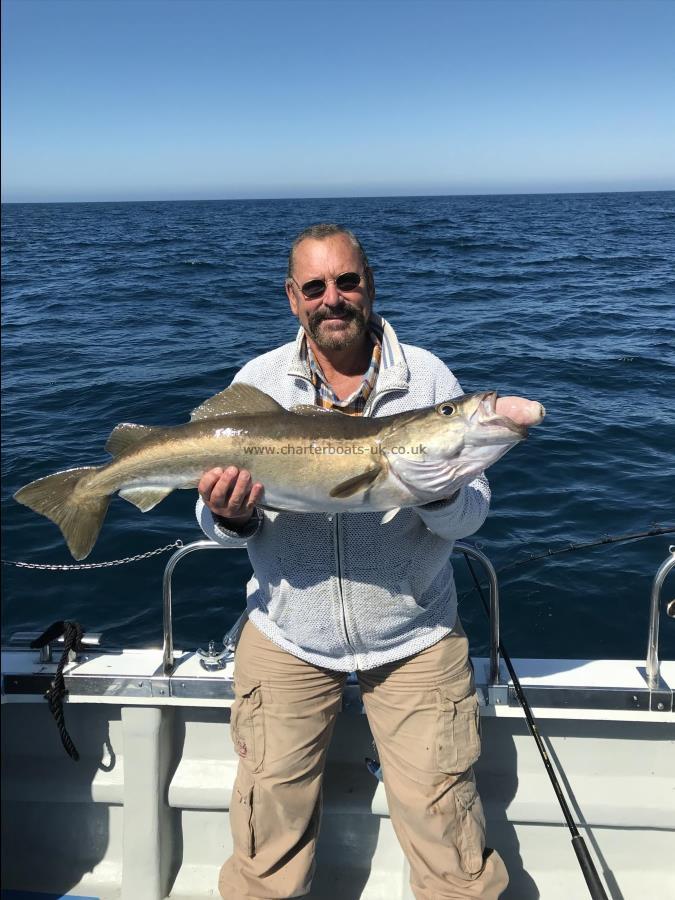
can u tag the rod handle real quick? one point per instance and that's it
(587, 866)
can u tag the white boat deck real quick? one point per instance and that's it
(143, 814)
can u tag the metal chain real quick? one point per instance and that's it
(656, 530)
(100, 565)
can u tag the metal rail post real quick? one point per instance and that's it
(167, 654)
(652, 663)
(478, 555)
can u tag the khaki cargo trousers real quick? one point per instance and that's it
(423, 714)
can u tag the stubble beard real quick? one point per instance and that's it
(354, 316)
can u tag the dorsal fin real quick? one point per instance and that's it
(126, 435)
(241, 399)
(306, 409)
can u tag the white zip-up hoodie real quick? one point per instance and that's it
(343, 591)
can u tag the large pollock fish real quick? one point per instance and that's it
(307, 459)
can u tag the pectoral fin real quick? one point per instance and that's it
(146, 497)
(359, 482)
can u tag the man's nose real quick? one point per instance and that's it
(332, 296)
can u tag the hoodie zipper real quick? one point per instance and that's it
(338, 561)
(335, 518)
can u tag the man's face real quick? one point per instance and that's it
(338, 319)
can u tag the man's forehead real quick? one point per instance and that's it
(330, 251)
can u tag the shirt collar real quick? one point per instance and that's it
(356, 402)
(394, 373)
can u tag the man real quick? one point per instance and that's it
(341, 593)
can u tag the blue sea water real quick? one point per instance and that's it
(139, 311)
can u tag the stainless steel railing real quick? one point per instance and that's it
(168, 661)
(652, 663)
(475, 553)
(167, 652)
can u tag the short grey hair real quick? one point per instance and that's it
(319, 233)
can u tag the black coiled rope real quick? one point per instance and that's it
(72, 641)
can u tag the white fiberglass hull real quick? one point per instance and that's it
(144, 811)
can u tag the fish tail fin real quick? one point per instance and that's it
(79, 514)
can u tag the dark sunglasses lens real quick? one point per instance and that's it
(313, 289)
(349, 281)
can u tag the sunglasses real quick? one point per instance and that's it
(316, 288)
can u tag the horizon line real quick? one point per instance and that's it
(344, 197)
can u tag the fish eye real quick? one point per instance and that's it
(446, 409)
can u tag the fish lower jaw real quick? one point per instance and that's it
(493, 435)
(504, 427)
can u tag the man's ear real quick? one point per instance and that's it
(370, 282)
(292, 299)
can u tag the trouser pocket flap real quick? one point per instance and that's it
(247, 724)
(458, 744)
(470, 826)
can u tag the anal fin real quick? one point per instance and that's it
(145, 497)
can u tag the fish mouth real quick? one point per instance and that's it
(486, 415)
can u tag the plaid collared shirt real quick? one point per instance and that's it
(324, 395)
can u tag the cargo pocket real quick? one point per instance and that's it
(458, 741)
(470, 826)
(247, 725)
(242, 815)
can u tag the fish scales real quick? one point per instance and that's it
(308, 459)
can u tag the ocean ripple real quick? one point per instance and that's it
(139, 311)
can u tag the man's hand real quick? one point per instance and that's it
(230, 494)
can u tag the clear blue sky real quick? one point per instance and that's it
(178, 99)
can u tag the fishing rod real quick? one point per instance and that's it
(654, 531)
(584, 859)
(586, 864)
